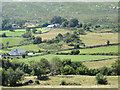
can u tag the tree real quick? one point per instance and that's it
(59, 37)
(105, 71)
(66, 62)
(76, 46)
(4, 35)
(75, 52)
(65, 24)
(27, 35)
(37, 40)
(12, 30)
(67, 70)
(7, 44)
(101, 79)
(11, 77)
(34, 30)
(39, 71)
(116, 67)
(28, 29)
(73, 22)
(23, 55)
(56, 65)
(56, 19)
(108, 42)
(44, 63)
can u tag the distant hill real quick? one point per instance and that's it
(44, 11)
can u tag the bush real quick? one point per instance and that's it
(105, 71)
(75, 52)
(23, 55)
(116, 67)
(37, 82)
(68, 70)
(11, 77)
(63, 83)
(101, 79)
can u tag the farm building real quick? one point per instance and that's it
(14, 25)
(17, 52)
(53, 26)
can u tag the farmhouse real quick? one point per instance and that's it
(53, 26)
(17, 52)
(14, 25)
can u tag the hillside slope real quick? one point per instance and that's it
(44, 11)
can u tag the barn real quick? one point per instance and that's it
(16, 52)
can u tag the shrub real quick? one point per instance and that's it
(23, 55)
(75, 52)
(37, 82)
(101, 79)
(67, 70)
(63, 83)
(105, 70)
(116, 67)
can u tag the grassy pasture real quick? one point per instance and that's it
(30, 47)
(52, 33)
(84, 80)
(17, 32)
(74, 58)
(4, 51)
(99, 64)
(108, 49)
(12, 40)
(92, 39)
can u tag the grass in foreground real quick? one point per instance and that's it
(84, 80)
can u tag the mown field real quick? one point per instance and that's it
(30, 47)
(12, 40)
(74, 58)
(105, 49)
(92, 39)
(52, 33)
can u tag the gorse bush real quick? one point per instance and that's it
(116, 67)
(101, 79)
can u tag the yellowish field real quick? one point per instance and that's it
(84, 80)
(52, 33)
(99, 38)
(99, 64)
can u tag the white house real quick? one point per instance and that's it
(53, 26)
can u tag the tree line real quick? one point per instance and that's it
(14, 71)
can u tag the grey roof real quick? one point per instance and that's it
(17, 52)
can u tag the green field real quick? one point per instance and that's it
(74, 58)
(12, 40)
(108, 49)
(30, 47)
(16, 33)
